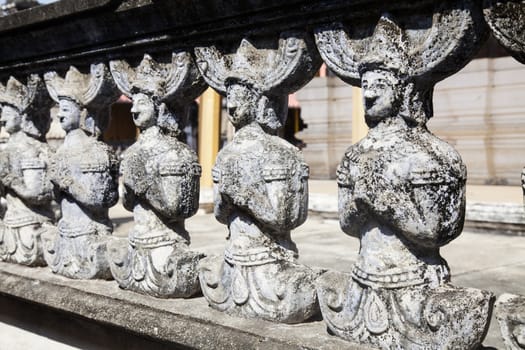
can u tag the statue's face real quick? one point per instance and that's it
(69, 115)
(379, 95)
(241, 102)
(11, 119)
(143, 111)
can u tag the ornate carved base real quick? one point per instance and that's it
(510, 312)
(417, 317)
(166, 271)
(81, 257)
(23, 245)
(278, 291)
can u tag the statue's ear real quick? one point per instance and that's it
(262, 106)
(29, 126)
(88, 123)
(162, 110)
(415, 104)
(274, 105)
(167, 119)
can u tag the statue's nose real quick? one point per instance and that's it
(369, 94)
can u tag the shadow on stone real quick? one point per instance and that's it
(72, 330)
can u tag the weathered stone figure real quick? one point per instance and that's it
(402, 193)
(260, 183)
(507, 22)
(24, 165)
(160, 178)
(84, 172)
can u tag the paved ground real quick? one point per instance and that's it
(486, 261)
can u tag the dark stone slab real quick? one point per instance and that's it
(41, 321)
(79, 32)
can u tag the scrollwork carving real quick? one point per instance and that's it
(433, 53)
(507, 22)
(510, 313)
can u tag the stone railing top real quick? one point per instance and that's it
(178, 322)
(54, 11)
(72, 32)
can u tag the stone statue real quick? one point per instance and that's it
(402, 192)
(84, 172)
(507, 22)
(160, 176)
(24, 171)
(260, 183)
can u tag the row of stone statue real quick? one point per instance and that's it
(401, 189)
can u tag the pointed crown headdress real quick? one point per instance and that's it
(177, 82)
(32, 101)
(270, 70)
(30, 98)
(387, 49)
(433, 52)
(421, 59)
(94, 91)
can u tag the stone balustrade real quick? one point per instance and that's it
(401, 189)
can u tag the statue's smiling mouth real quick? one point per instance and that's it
(231, 110)
(370, 102)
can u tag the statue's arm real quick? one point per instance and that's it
(252, 198)
(134, 178)
(428, 210)
(39, 192)
(351, 217)
(18, 186)
(128, 197)
(222, 207)
(436, 215)
(352, 194)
